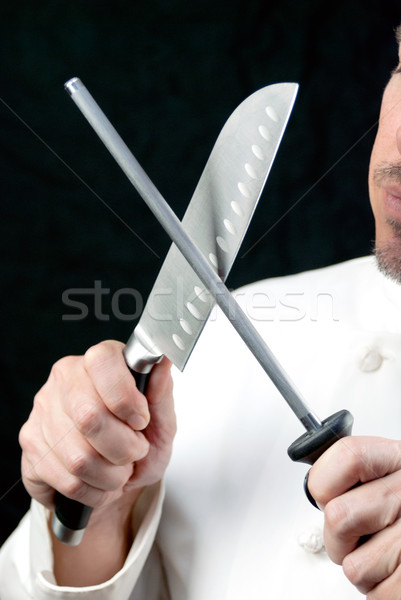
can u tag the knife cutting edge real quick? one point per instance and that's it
(319, 435)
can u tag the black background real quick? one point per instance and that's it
(168, 75)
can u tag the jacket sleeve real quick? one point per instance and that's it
(26, 561)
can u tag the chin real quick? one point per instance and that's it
(388, 257)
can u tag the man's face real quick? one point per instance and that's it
(385, 179)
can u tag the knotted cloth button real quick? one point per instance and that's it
(371, 360)
(311, 540)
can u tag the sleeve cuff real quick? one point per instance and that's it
(145, 523)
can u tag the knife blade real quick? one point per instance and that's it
(223, 202)
(216, 220)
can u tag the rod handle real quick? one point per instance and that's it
(311, 445)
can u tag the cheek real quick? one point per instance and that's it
(373, 189)
(385, 148)
(378, 156)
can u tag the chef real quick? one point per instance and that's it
(222, 513)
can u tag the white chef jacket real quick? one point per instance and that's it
(235, 521)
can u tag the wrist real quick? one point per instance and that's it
(104, 547)
(114, 515)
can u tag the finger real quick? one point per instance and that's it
(59, 479)
(42, 469)
(365, 510)
(76, 397)
(162, 426)
(114, 383)
(349, 461)
(35, 487)
(69, 450)
(376, 560)
(388, 589)
(81, 460)
(91, 422)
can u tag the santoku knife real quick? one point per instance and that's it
(216, 221)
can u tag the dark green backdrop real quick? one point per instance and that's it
(168, 74)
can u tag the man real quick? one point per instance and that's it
(235, 522)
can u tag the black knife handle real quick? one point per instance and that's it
(70, 516)
(141, 380)
(311, 445)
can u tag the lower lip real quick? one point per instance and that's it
(392, 205)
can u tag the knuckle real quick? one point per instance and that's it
(336, 516)
(41, 405)
(24, 438)
(96, 356)
(127, 474)
(80, 491)
(122, 460)
(120, 479)
(143, 449)
(75, 488)
(126, 458)
(353, 571)
(38, 402)
(57, 370)
(121, 404)
(138, 450)
(61, 367)
(87, 419)
(77, 464)
(29, 437)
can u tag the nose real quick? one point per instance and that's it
(398, 139)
